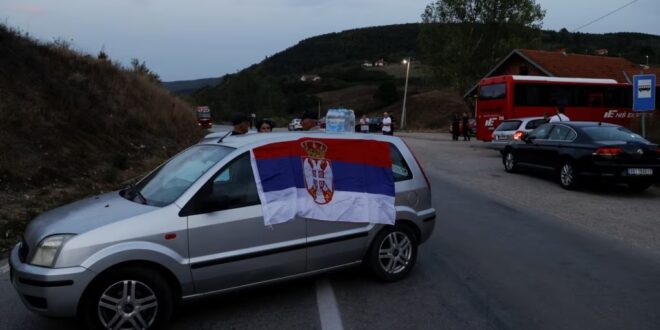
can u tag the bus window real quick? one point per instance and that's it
(495, 91)
(595, 100)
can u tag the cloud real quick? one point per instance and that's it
(29, 9)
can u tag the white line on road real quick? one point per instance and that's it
(4, 269)
(328, 310)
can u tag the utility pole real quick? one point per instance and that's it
(405, 93)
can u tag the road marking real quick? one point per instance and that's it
(328, 310)
(4, 269)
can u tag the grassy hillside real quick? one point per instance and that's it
(73, 125)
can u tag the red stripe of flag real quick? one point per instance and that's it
(375, 153)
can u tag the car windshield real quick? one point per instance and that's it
(509, 125)
(612, 133)
(168, 182)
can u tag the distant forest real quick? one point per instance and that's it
(273, 88)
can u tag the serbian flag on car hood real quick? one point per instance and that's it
(325, 179)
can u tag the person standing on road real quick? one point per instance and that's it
(387, 124)
(560, 116)
(241, 124)
(466, 126)
(364, 124)
(265, 126)
(309, 121)
(455, 127)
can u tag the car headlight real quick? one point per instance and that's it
(48, 249)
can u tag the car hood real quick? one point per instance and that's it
(82, 216)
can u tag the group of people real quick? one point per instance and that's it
(242, 124)
(456, 122)
(309, 122)
(386, 124)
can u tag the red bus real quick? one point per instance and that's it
(506, 97)
(204, 117)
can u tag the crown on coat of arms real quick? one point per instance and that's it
(314, 149)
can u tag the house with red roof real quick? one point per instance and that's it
(563, 64)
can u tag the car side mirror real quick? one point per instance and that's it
(529, 138)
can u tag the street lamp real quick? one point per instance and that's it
(405, 93)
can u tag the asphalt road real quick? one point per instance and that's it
(490, 264)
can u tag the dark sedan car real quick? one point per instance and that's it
(579, 150)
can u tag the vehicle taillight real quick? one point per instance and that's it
(428, 184)
(518, 135)
(607, 151)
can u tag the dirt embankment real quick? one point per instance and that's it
(72, 125)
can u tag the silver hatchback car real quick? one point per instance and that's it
(194, 227)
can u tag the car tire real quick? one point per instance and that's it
(638, 187)
(568, 176)
(393, 253)
(140, 297)
(509, 161)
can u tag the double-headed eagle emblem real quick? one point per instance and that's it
(317, 171)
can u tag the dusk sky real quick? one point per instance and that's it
(208, 38)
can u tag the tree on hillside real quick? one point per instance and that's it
(142, 69)
(462, 39)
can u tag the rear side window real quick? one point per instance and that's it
(495, 91)
(400, 168)
(532, 124)
(560, 133)
(541, 132)
(509, 125)
(612, 133)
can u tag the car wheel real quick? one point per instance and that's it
(393, 253)
(638, 186)
(510, 162)
(568, 177)
(128, 298)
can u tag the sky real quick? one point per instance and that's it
(193, 39)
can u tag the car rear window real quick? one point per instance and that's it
(509, 125)
(612, 133)
(532, 124)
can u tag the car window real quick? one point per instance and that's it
(532, 124)
(540, 132)
(508, 125)
(166, 184)
(559, 133)
(232, 187)
(572, 135)
(400, 168)
(612, 133)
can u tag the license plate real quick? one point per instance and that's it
(640, 171)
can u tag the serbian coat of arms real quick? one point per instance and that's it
(317, 171)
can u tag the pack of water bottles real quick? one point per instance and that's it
(340, 121)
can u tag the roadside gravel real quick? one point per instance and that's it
(611, 211)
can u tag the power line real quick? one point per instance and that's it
(608, 14)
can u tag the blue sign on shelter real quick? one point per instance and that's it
(644, 92)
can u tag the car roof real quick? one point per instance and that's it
(256, 139)
(581, 124)
(523, 118)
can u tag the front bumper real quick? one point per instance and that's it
(48, 291)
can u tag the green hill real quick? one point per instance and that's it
(273, 88)
(73, 125)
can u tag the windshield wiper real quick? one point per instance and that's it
(132, 193)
